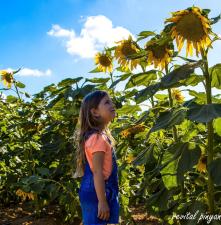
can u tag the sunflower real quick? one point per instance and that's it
(201, 166)
(132, 130)
(159, 52)
(7, 78)
(124, 49)
(104, 61)
(193, 26)
(177, 95)
(25, 195)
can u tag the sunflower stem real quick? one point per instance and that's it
(175, 135)
(17, 90)
(210, 133)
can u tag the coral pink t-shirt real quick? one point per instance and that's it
(95, 143)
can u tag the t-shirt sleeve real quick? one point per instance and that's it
(96, 143)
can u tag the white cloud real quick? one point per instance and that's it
(27, 72)
(57, 31)
(97, 32)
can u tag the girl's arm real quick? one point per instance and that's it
(103, 208)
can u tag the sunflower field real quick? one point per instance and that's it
(168, 147)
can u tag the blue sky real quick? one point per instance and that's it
(55, 39)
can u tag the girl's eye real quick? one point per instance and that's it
(107, 102)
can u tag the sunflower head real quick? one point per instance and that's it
(124, 49)
(132, 130)
(104, 61)
(25, 195)
(159, 52)
(7, 78)
(177, 95)
(201, 166)
(193, 26)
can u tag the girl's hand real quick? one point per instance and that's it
(103, 210)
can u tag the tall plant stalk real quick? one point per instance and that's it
(210, 131)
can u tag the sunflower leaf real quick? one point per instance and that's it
(215, 73)
(168, 119)
(145, 34)
(96, 70)
(138, 55)
(203, 113)
(141, 79)
(122, 77)
(215, 19)
(98, 80)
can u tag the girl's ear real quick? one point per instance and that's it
(94, 112)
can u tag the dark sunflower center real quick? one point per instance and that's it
(190, 27)
(158, 51)
(8, 77)
(127, 49)
(105, 60)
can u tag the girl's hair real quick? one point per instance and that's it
(86, 122)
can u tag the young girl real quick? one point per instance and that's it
(96, 159)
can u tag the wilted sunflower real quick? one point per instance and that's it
(201, 166)
(7, 78)
(123, 50)
(159, 53)
(132, 130)
(193, 26)
(177, 95)
(104, 61)
(25, 195)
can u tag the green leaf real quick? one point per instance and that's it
(214, 169)
(43, 171)
(141, 79)
(96, 70)
(27, 95)
(181, 73)
(20, 85)
(188, 159)
(200, 96)
(146, 93)
(215, 19)
(217, 126)
(145, 34)
(122, 78)
(129, 109)
(169, 118)
(170, 80)
(69, 81)
(138, 55)
(159, 199)
(146, 157)
(11, 98)
(98, 80)
(203, 113)
(215, 73)
(170, 163)
(192, 80)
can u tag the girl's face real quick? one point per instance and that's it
(105, 110)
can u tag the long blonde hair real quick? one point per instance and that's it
(86, 122)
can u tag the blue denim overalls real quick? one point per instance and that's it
(88, 197)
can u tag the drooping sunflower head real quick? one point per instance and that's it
(177, 95)
(159, 52)
(104, 61)
(124, 49)
(193, 26)
(133, 130)
(201, 166)
(7, 78)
